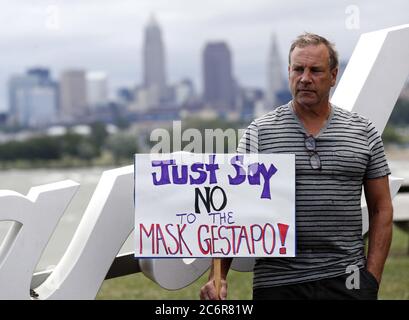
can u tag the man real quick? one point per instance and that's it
(336, 153)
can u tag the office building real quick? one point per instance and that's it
(73, 95)
(33, 99)
(218, 77)
(97, 89)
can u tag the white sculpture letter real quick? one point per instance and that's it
(35, 217)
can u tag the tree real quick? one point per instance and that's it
(86, 151)
(122, 146)
(390, 135)
(98, 136)
(400, 114)
(69, 143)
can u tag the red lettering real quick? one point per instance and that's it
(148, 234)
(252, 235)
(243, 235)
(160, 237)
(207, 240)
(273, 237)
(226, 239)
(233, 230)
(174, 238)
(182, 240)
(213, 239)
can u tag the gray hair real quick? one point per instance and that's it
(312, 39)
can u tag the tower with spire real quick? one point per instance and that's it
(154, 76)
(275, 79)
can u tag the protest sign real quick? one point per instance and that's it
(214, 205)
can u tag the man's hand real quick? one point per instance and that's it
(208, 291)
(376, 273)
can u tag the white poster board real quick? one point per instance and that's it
(214, 205)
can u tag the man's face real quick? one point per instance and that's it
(310, 76)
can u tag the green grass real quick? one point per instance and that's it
(395, 282)
(395, 279)
(137, 286)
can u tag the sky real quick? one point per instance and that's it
(107, 35)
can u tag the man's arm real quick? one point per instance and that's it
(208, 291)
(380, 213)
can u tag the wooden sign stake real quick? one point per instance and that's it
(217, 271)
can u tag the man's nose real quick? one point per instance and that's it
(306, 77)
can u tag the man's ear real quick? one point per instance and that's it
(334, 73)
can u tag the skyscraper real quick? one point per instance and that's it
(184, 91)
(73, 95)
(217, 76)
(97, 89)
(275, 79)
(42, 104)
(154, 77)
(33, 98)
(19, 87)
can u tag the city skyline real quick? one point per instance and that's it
(66, 35)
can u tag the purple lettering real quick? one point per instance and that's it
(212, 167)
(267, 176)
(198, 168)
(182, 179)
(254, 173)
(240, 174)
(164, 167)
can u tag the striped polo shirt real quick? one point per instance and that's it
(328, 200)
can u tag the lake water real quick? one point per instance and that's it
(22, 180)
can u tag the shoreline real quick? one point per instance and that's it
(393, 153)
